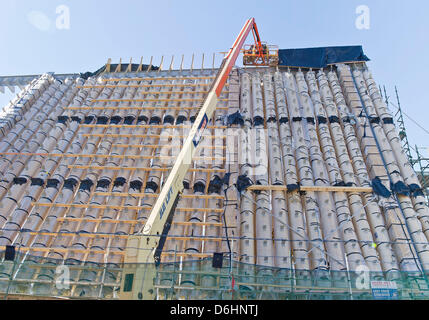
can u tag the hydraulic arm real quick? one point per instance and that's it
(145, 247)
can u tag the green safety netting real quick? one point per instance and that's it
(42, 277)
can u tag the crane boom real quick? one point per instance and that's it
(146, 246)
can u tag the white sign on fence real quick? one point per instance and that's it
(384, 290)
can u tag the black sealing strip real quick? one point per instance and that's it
(86, 185)
(142, 118)
(52, 183)
(70, 183)
(20, 180)
(284, 120)
(180, 119)
(88, 119)
(155, 120)
(103, 183)
(310, 120)
(296, 119)
(215, 185)
(102, 120)
(340, 184)
(129, 119)
(292, 187)
(120, 181)
(346, 119)
(235, 118)
(62, 119)
(169, 119)
(192, 119)
(77, 119)
(272, 119)
(321, 120)
(151, 185)
(37, 182)
(199, 187)
(136, 185)
(186, 185)
(388, 120)
(258, 121)
(374, 119)
(226, 178)
(414, 187)
(334, 119)
(115, 119)
(243, 182)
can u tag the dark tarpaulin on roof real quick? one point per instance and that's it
(379, 188)
(320, 57)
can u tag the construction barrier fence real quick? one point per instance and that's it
(196, 280)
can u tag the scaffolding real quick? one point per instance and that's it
(417, 159)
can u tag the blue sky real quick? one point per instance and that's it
(397, 41)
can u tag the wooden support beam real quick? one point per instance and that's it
(151, 100)
(109, 61)
(153, 146)
(213, 61)
(171, 63)
(145, 126)
(174, 92)
(118, 135)
(192, 62)
(138, 108)
(115, 156)
(155, 195)
(146, 85)
(158, 78)
(167, 92)
(184, 223)
(140, 67)
(129, 68)
(56, 249)
(139, 168)
(105, 206)
(102, 235)
(161, 64)
(119, 66)
(187, 254)
(149, 67)
(313, 188)
(120, 253)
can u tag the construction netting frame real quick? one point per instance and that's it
(192, 280)
(196, 280)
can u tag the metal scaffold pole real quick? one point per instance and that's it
(423, 163)
(418, 159)
(401, 125)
